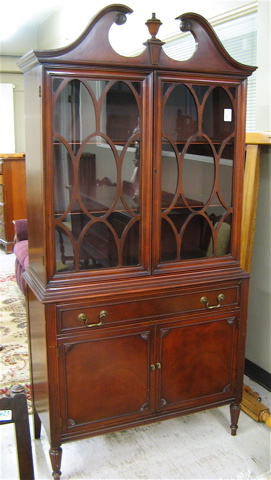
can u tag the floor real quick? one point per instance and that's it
(197, 446)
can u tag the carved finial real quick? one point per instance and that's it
(153, 25)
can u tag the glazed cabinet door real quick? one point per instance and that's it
(195, 164)
(197, 360)
(106, 378)
(101, 130)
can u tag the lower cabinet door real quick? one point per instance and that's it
(105, 378)
(197, 361)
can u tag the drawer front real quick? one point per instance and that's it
(78, 316)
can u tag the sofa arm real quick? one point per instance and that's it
(21, 230)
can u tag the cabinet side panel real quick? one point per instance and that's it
(37, 346)
(34, 172)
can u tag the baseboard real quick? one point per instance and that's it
(258, 374)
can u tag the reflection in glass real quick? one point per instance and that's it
(169, 174)
(64, 252)
(198, 172)
(180, 114)
(98, 248)
(168, 243)
(131, 246)
(121, 112)
(218, 115)
(200, 90)
(74, 116)
(64, 177)
(225, 173)
(130, 174)
(196, 238)
(96, 182)
(197, 163)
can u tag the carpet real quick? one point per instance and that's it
(14, 359)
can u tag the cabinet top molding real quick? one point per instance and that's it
(93, 48)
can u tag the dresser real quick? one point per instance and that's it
(137, 302)
(12, 196)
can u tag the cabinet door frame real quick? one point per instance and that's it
(237, 175)
(144, 266)
(144, 336)
(217, 325)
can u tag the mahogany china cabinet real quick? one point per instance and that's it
(137, 302)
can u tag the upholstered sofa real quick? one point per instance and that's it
(21, 251)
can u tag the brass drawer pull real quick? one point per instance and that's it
(83, 318)
(205, 300)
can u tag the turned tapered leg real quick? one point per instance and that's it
(55, 456)
(235, 412)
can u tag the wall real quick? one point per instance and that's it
(10, 74)
(259, 318)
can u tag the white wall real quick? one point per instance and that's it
(18, 98)
(259, 317)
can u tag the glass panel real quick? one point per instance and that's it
(96, 183)
(130, 174)
(97, 176)
(180, 114)
(63, 177)
(198, 166)
(168, 243)
(225, 174)
(223, 237)
(169, 174)
(56, 83)
(197, 238)
(98, 248)
(198, 174)
(64, 248)
(131, 246)
(74, 116)
(122, 114)
(218, 115)
(200, 91)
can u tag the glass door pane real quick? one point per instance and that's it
(198, 126)
(97, 194)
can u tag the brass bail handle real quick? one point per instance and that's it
(205, 300)
(83, 318)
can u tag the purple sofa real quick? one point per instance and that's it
(21, 251)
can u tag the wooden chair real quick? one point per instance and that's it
(16, 406)
(251, 404)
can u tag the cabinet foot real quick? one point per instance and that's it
(235, 412)
(55, 456)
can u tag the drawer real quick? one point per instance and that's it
(154, 307)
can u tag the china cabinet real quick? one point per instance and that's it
(137, 302)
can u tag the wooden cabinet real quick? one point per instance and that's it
(137, 302)
(12, 196)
